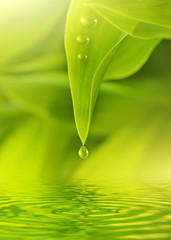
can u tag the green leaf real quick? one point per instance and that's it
(155, 12)
(86, 76)
(99, 44)
(141, 19)
(130, 56)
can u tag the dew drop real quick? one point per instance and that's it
(82, 56)
(82, 39)
(83, 152)
(88, 21)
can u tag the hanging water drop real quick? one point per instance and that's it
(82, 56)
(83, 152)
(88, 21)
(83, 39)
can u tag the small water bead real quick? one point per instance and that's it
(82, 56)
(88, 21)
(83, 152)
(83, 39)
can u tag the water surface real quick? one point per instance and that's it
(86, 210)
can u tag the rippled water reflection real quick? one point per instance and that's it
(86, 210)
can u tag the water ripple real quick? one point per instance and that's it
(86, 211)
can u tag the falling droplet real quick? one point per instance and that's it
(82, 39)
(83, 152)
(82, 56)
(88, 21)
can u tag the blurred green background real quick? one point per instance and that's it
(131, 126)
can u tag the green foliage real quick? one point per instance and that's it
(121, 39)
(130, 128)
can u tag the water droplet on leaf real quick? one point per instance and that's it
(83, 39)
(82, 56)
(83, 152)
(88, 21)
